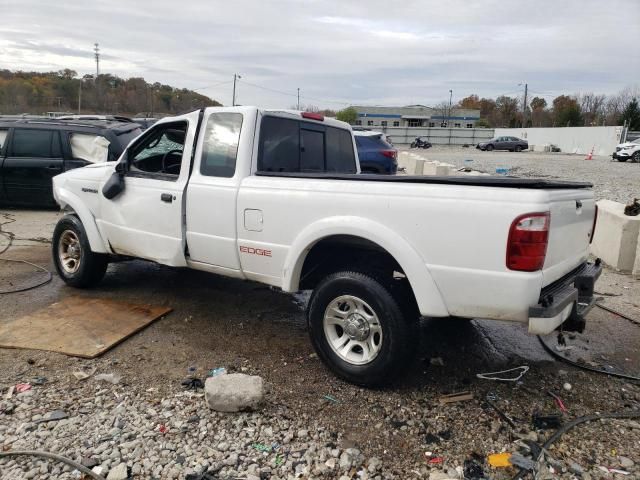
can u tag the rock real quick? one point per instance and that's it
(439, 476)
(233, 392)
(374, 464)
(119, 472)
(90, 462)
(626, 462)
(351, 457)
(576, 468)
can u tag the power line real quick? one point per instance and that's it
(290, 94)
(212, 86)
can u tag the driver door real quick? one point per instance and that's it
(146, 219)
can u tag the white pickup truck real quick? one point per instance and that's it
(277, 197)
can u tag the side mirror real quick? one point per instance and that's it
(115, 185)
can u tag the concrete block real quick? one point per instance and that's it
(636, 266)
(616, 237)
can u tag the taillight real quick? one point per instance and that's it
(527, 243)
(389, 153)
(313, 116)
(593, 227)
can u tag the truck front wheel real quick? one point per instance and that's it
(358, 328)
(76, 264)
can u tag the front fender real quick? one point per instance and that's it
(427, 295)
(69, 201)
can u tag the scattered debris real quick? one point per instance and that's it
(632, 209)
(23, 387)
(39, 380)
(473, 470)
(499, 460)
(546, 422)
(558, 401)
(216, 371)
(233, 392)
(437, 361)
(567, 386)
(163, 428)
(82, 375)
(493, 375)
(613, 470)
(435, 460)
(261, 448)
(564, 348)
(456, 397)
(490, 399)
(331, 398)
(119, 472)
(9, 393)
(113, 378)
(523, 462)
(192, 383)
(53, 416)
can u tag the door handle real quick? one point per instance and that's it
(166, 197)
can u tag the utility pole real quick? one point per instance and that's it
(80, 97)
(524, 106)
(298, 98)
(449, 116)
(233, 100)
(96, 49)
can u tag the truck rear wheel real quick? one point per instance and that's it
(76, 264)
(358, 328)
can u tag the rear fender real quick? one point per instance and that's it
(426, 292)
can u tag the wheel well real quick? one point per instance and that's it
(348, 252)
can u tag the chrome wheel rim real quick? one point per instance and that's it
(353, 330)
(69, 251)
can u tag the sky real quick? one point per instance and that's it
(337, 52)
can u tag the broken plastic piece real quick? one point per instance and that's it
(522, 462)
(192, 383)
(435, 461)
(494, 375)
(473, 470)
(217, 371)
(331, 398)
(499, 460)
(23, 387)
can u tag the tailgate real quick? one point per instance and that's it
(572, 213)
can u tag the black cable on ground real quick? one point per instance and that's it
(8, 235)
(31, 287)
(52, 456)
(615, 312)
(568, 426)
(586, 367)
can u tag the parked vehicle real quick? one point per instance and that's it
(513, 144)
(628, 150)
(420, 143)
(274, 197)
(376, 155)
(145, 122)
(32, 152)
(117, 118)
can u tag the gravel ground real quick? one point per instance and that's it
(618, 181)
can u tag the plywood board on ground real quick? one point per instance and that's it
(82, 327)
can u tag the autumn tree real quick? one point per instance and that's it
(472, 102)
(566, 112)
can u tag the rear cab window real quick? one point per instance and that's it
(289, 145)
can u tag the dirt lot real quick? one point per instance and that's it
(149, 423)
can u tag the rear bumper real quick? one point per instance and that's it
(558, 300)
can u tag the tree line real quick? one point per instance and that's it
(36, 92)
(582, 109)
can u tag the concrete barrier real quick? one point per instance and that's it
(616, 238)
(636, 266)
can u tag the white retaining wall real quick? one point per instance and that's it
(570, 139)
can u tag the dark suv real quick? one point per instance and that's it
(33, 151)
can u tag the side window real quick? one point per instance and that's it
(340, 156)
(89, 147)
(35, 143)
(160, 151)
(220, 147)
(280, 145)
(292, 146)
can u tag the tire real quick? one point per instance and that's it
(622, 159)
(413, 145)
(636, 157)
(76, 264)
(518, 148)
(376, 322)
(488, 148)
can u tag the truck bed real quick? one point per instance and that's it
(481, 181)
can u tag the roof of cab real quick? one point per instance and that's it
(76, 125)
